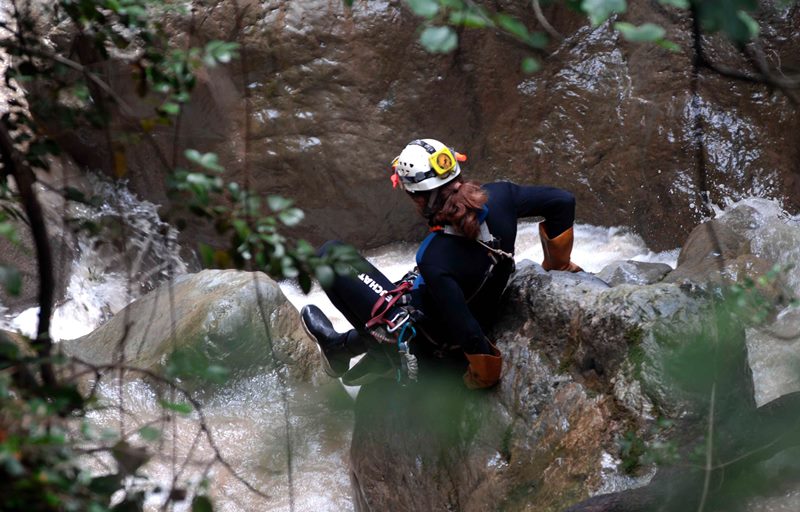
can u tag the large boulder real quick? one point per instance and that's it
(325, 96)
(582, 368)
(240, 320)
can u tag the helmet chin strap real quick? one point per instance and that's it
(428, 212)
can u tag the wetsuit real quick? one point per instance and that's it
(455, 291)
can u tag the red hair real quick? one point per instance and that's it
(458, 203)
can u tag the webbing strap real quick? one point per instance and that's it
(419, 142)
(382, 306)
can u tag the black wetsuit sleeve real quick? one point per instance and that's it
(455, 314)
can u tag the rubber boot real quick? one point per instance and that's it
(557, 250)
(484, 369)
(335, 348)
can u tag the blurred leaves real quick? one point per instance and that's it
(253, 224)
(425, 8)
(439, 39)
(191, 364)
(11, 280)
(646, 33)
(600, 10)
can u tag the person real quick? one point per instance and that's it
(445, 307)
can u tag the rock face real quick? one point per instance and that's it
(325, 96)
(581, 369)
(240, 320)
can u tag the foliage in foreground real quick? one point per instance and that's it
(44, 437)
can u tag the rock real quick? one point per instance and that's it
(774, 354)
(633, 272)
(239, 320)
(582, 367)
(333, 93)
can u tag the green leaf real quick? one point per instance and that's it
(208, 161)
(669, 45)
(149, 433)
(291, 217)
(600, 10)
(181, 408)
(513, 26)
(170, 108)
(202, 503)
(220, 52)
(680, 4)
(288, 268)
(645, 33)
(325, 276)
(470, 19)
(537, 39)
(752, 25)
(425, 8)
(725, 16)
(530, 65)
(206, 255)
(11, 280)
(278, 203)
(439, 39)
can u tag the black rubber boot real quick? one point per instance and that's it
(335, 348)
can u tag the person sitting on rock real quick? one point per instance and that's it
(445, 306)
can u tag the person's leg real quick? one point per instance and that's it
(354, 296)
(557, 206)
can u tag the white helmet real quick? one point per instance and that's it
(426, 164)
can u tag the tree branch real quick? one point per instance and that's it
(25, 178)
(537, 9)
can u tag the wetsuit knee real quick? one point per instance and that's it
(562, 206)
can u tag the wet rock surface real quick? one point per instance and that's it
(633, 272)
(581, 368)
(240, 320)
(325, 96)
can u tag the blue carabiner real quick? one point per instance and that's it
(401, 341)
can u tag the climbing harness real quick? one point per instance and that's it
(398, 330)
(387, 303)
